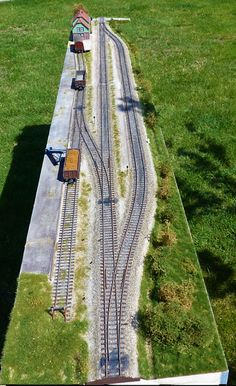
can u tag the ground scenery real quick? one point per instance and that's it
(182, 56)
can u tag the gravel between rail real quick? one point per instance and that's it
(120, 257)
(123, 360)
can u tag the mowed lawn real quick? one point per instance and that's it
(186, 50)
(186, 53)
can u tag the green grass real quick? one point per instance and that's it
(33, 38)
(40, 350)
(89, 100)
(121, 175)
(188, 68)
(175, 319)
(185, 53)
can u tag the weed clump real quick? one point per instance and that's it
(157, 268)
(167, 236)
(168, 326)
(164, 170)
(164, 191)
(165, 173)
(181, 294)
(166, 216)
(81, 365)
(189, 267)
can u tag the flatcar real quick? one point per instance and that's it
(71, 165)
(80, 81)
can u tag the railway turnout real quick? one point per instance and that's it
(115, 257)
(116, 251)
(64, 267)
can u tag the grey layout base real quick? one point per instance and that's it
(42, 233)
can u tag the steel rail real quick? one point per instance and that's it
(64, 264)
(81, 62)
(106, 349)
(128, 98)
(110, 301)
(95, 156)
(59, 265)
(64, 270)
(97, 172)
(83, 126)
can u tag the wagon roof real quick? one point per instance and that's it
(72, 160)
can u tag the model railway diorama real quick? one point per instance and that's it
(120, 224)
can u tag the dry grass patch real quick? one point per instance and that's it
(167, 236)
(177, 293)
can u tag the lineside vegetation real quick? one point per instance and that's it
(40, 350)
(183, 53)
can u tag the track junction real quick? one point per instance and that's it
(117, 249)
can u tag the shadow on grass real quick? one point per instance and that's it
(217, 150)
(219, 277)
(197, 202)
(232, 374)
(143, 105)
(210, 156)
(148, 107)
(209, 168)
(220, 281)
(16, 204)
(210, 162)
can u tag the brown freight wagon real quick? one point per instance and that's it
(71, 165)
(79, 46)
(80, 79)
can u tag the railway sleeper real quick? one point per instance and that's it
(62, 309)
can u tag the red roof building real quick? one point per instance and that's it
(81, 14)
(80, 20)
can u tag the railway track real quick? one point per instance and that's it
(133, 223)
(116, 260)
(110, 349)
(65, 256)
(102, 161)
(64, 268)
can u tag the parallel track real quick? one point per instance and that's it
(103, 168)
(116, 262)
(64, 268)
(137, 207)
(110, 364)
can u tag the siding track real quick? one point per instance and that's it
(134, 220)
(65, 256)
(115, 258)
(110, 349)
(64, 267)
